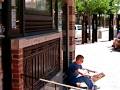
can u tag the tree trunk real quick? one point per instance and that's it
(78, 19)
(94, 27)
(118, 23)
(111, 27)
(99, 20)
(104, 21)
(84, 29)
(89, 23)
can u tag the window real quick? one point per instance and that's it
(39, 16)
(42, 5)
(60, 15)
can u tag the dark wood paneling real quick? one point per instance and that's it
(41, 61)
(37, 23)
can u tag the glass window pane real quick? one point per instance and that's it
(43, 5)
(60, 15)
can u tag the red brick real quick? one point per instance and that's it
(15, 70)
(16, 75)
(17, 88)
(71, 10)
(15, 61)
(17, 51)
(15, 66)
(17, 85)
(17, 56)
(72, 55)
(72, 41)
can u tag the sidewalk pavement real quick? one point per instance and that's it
(99, 56)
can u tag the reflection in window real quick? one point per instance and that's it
(30, 3)
(38, 4)
(0, 5)
(41, 4)
(60, 15)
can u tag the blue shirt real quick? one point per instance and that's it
(72, 74)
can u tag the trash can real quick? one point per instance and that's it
(99, 34)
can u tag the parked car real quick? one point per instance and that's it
(78, 31)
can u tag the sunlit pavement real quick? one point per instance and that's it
(99, 56)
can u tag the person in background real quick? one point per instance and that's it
(116, 42)
(118, 35)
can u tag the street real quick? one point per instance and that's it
(100, 57)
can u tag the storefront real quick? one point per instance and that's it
(37, 32)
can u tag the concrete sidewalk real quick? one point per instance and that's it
(100, 57)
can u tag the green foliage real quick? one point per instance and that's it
(97, 6)
(114, 6)
(79, 6)
(101, 6)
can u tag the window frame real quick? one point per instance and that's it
(21, 13)
(39, 12)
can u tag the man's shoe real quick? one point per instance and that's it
(95, 87)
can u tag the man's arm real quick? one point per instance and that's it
(90, 70)
(82, 72)
(86, 72)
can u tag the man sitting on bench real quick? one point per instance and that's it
(76, 74)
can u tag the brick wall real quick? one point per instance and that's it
(17, 46)
(71, 7)
(68, 32)
(17, 69)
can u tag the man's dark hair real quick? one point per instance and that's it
(79, 57)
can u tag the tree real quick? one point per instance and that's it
(92, 6)
(79, 9)
(79, 6)
(101, 6)
(97, 6)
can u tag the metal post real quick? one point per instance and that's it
(6, 45)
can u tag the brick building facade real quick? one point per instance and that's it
(36, 47)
